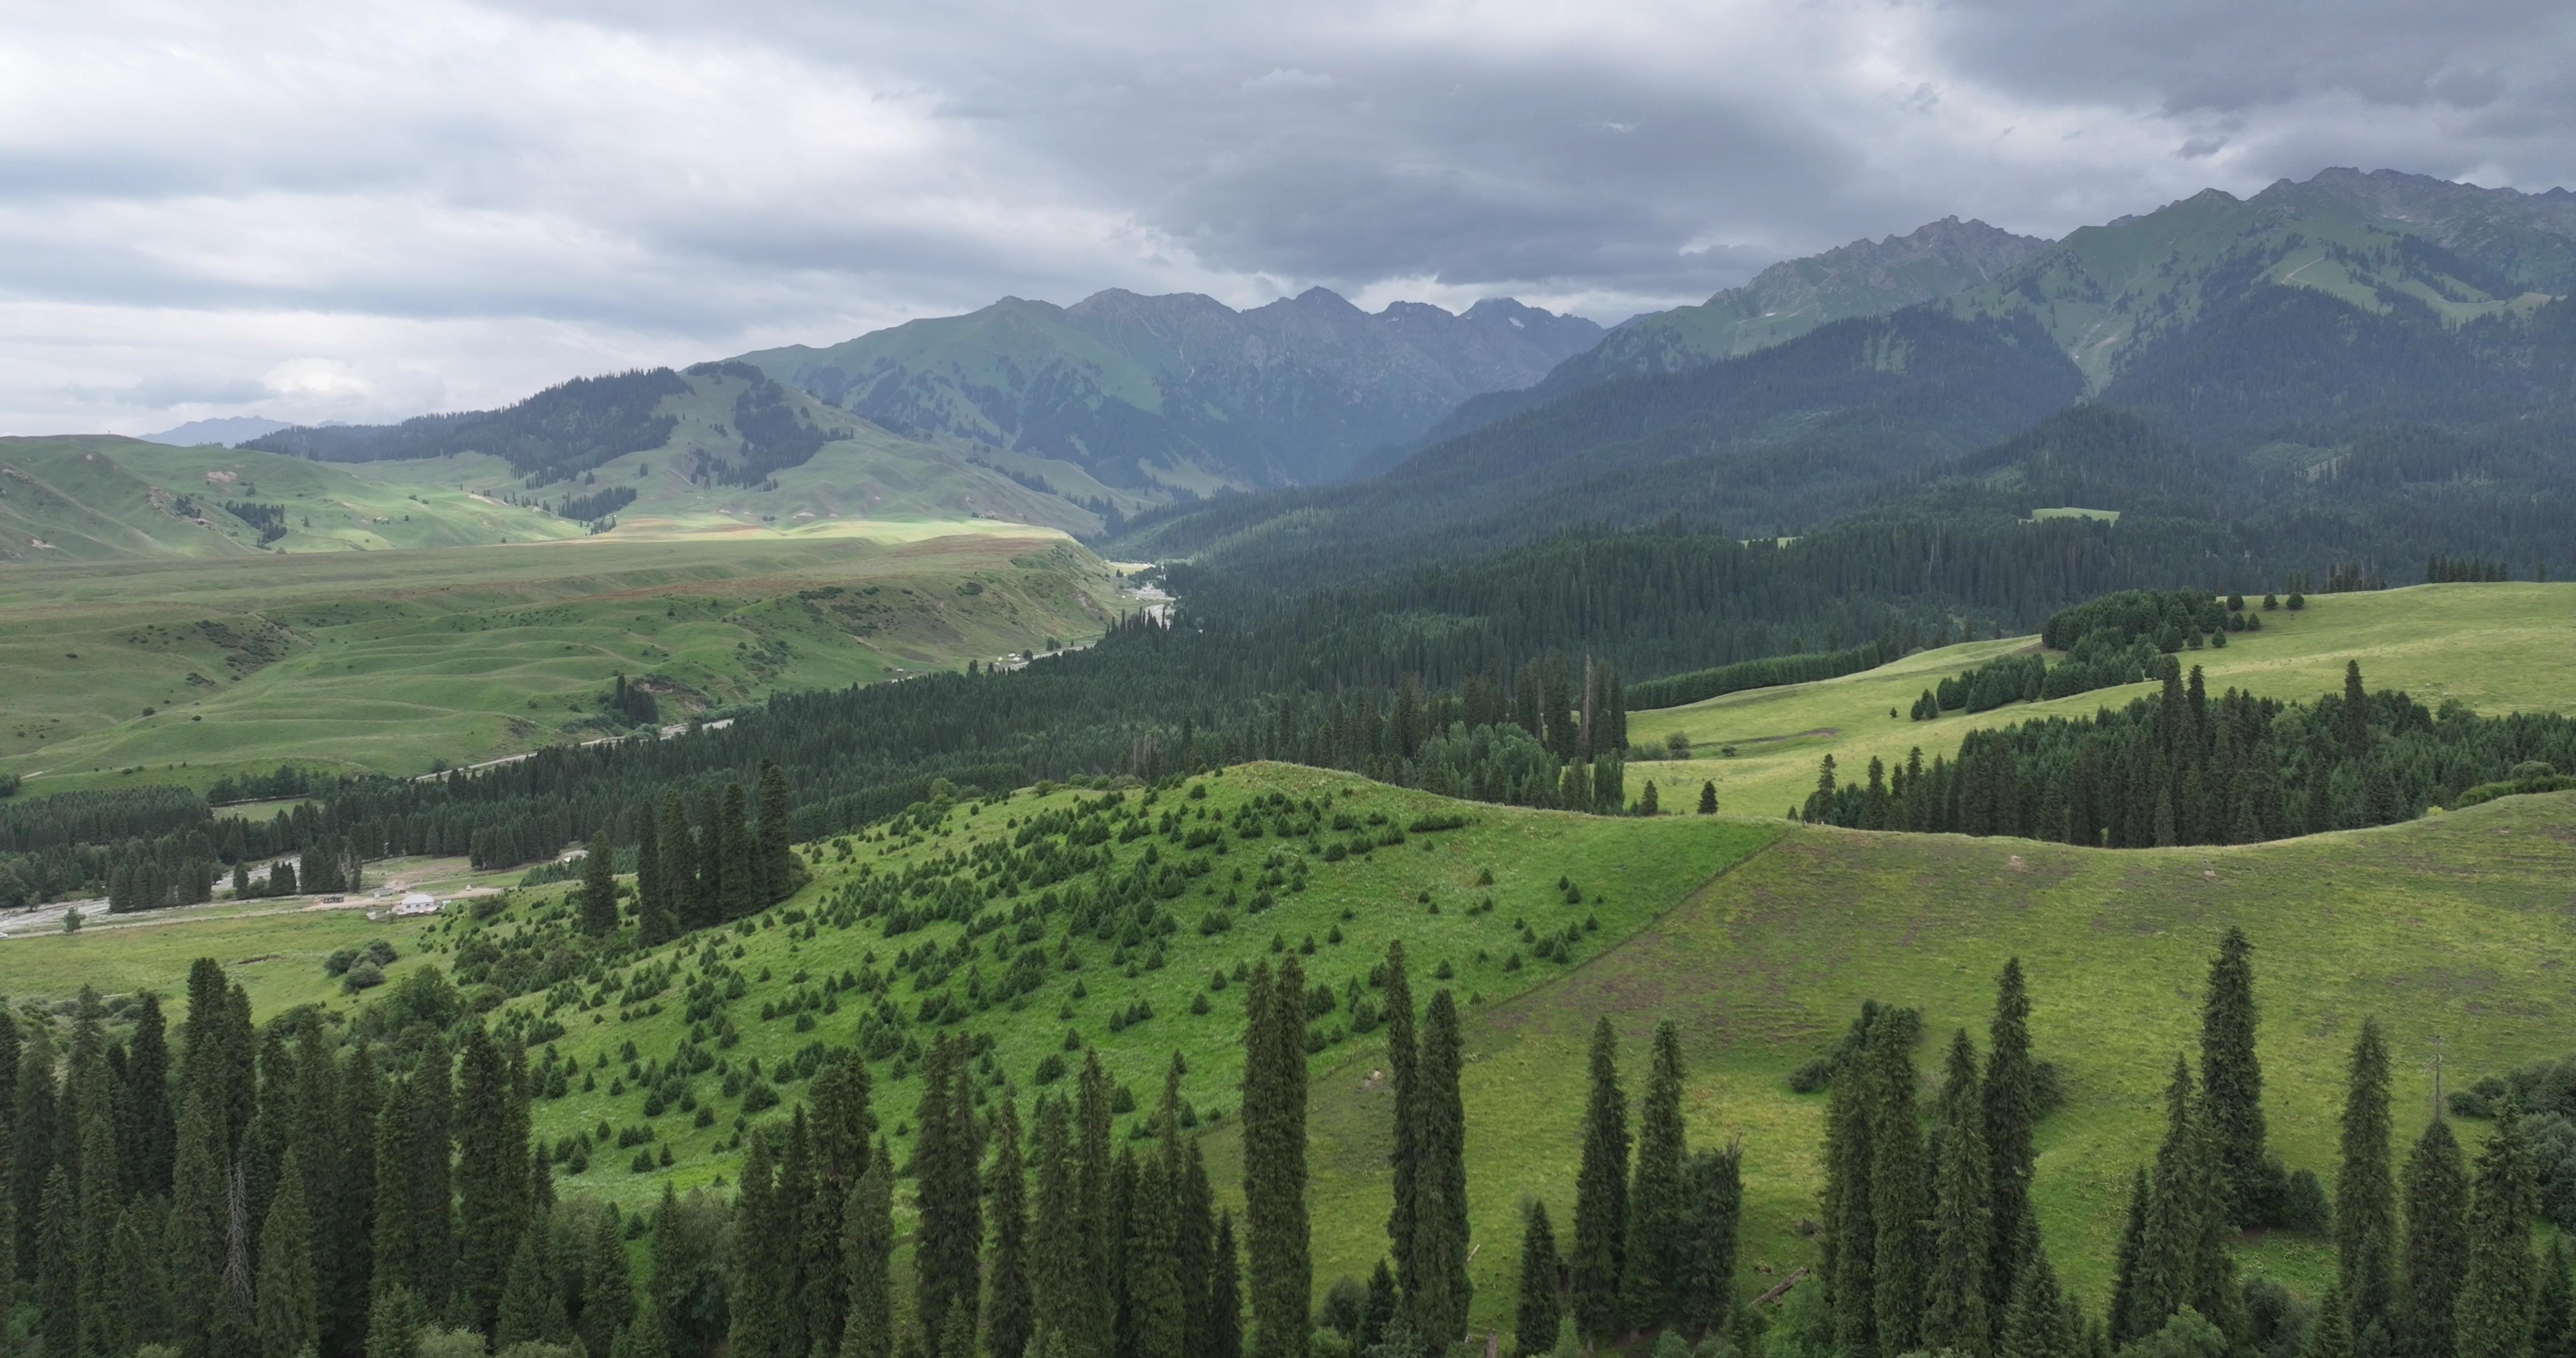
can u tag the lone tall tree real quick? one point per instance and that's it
(1403, 1056)
(1440, 1290)
(2365, 1199)
(2232, 1079)
(1601, 1193)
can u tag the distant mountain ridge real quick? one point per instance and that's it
(1139, 390)
(1864, 278)
(226, 429)
(2416, 333)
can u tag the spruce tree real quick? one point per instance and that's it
(742, 880)
(608, 1286)
(1713, 1189)
(2161, 1281)
(1956, 1315)
(2553, 1315)
(344, 1229)
(395, 1321)
(679, 851)
(760, 1292)
(2126, 1264)
(599, 887)
(1541, 1313)
(1850, 1254)
(1657, 1255)
(396, 1242)
(1601, 1194)
(1438, 1303)
(1194, 1258)
(2232, 1079)
(777, 860)
(1708, 797)
(492, 1164)
(432, 1173)
(2496, 1292)
(2437, 1245)
(2356, 713)
(288, 1318)
(1156, 1308)
(1097, 1210)
(947, 1158)
(200, 1184)
(1056, 1226)
(531, 1308)
(867, 1250)
(2330, 1334)
(154, 1137)
(1225, 1293)
(1403, 1056)
(2365, 1197)
(1900, 1199)
(58, 1314)
(1274, 1155)
(2011, 1112)
(2037, 1322)
(1009, 1312)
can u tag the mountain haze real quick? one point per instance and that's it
(1144, 390)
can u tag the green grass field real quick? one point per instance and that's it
(2497, 647)
(99, 497)
(393, 660)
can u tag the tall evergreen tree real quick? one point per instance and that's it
(2365, 1194)
(1955, 1313)
(2038, 1322)
(432, 1174)
(679, 852)
(492, 1196)
(1195, 1255)
(2127, 1263)
(1439, 1300)
(608, 1287)
(2437, 1245)
(2497, 1290)
(760, 1293)
(1900, 1198)
(1601, 1193)
(1540, 1316)
(653, 920)
(1850, 1254)
(344, 1226)
(740, 883)
(2232, 1079)
(198, 1182)
(1010, 1311)
(2330, 1334)
(58, 1311)
(396, 1237)
(777, 860)
(599, 887)
(1097, 1209)
(1056, 1225)
(1658, 1250)
(1403, 1056)
(154, 1138)
(1156, 1308)
(1713, 1188)
(2356, 713)
(946, 1169)
(395, 1321)
(289, 1319)
(1274, 1156)
(1225, 1293)
(532, 1308)
(2011, 1116)
(867, 1249)
(2553, 1316)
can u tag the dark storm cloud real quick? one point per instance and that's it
(365, 205)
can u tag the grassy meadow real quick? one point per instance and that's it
(2497, 647)
(187, 669)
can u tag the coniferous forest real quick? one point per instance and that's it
(226, 1189)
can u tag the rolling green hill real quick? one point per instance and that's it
(100, 497)
(2497, 647)
(393, 661)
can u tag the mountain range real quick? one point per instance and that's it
(2351, 320)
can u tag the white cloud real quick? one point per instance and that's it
(366, 208)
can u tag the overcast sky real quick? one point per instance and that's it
(345, 209)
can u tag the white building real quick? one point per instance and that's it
(416, 903)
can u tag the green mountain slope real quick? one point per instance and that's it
(719, 447)
(2111, 293)
(99, 497)
(1145, 391)
(1784, 301)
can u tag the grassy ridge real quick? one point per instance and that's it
(2497, 647)
(2451, 927)
(389, 661)
(100, 497)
